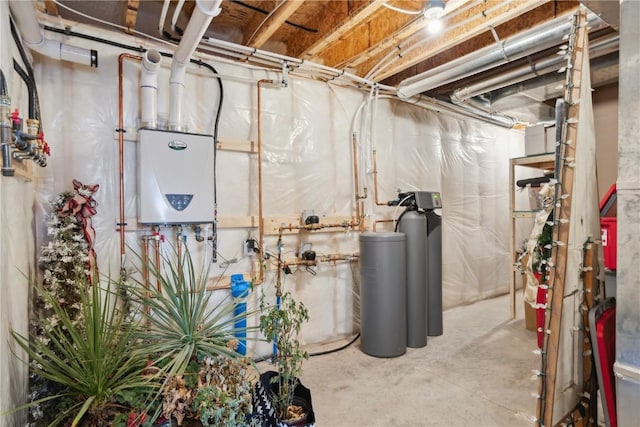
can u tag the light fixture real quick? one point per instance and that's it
(434, 26)
(434, 9)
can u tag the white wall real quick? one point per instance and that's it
(16, 248)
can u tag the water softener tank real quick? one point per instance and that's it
(434, 274)
(414, 226)
(383, 294)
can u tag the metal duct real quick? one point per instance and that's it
(549, 64)
(542, 37)
(555, 79)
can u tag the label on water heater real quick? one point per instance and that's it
(179, 201)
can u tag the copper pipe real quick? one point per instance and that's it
(280, 267)
(156, 247)
(358, 197)
(260, 208)
(312, 227)
(179, 249)
(375, 182)
(145, 270)
(120, 130)
(375, 223)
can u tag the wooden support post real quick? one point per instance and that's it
(559, 255)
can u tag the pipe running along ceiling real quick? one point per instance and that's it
(361, 41)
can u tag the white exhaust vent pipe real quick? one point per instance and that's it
(24, 13)
(203, 13)
(149, 89)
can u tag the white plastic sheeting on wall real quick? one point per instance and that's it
(468, 162)
(16, 250)
(307, 164)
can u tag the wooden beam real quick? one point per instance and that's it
(529, 19)
(314, 51)
(51, 8)
(560, 252)
(465, 25)
(273, 22)
(131, 15)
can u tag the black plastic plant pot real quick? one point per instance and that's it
(263, 404)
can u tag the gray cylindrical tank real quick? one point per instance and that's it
(383, 294)
(434, 274)
(414, 227)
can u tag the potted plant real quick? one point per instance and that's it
(291, 401)
(93, 364)
(190, 339)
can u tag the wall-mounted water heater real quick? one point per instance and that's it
(175, 177)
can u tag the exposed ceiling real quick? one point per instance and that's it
(373, 39)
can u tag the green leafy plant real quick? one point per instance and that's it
(282, 325)
(95, 364)
(184, 326)
(221, 397)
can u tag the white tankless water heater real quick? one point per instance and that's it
(175, 177)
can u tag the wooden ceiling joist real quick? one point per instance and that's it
(478, 19)
(273, 22)
(51, 8)
(314, 51)
(131, 15)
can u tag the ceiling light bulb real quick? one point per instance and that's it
(434, 9)
(434, 26)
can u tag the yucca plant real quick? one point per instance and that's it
(183, 323)
(97, 364)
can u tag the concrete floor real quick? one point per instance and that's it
(477, 373)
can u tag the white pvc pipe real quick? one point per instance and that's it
(24, 13)
(202, 15)
(176, 15)
(149, 89)
(163, 17)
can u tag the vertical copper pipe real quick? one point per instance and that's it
(356, 183)
(156, 248)
(145, 270)
(120, 130)
(260, 208)
(375, 181)
(179, 249)
(280, 266)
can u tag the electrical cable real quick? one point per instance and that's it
(70, 33)
(29, 70)
(265, 20)
(216, 123)
(335, 350)
(30, 87)
(406, 12)
(3, 84)
(111, 24)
